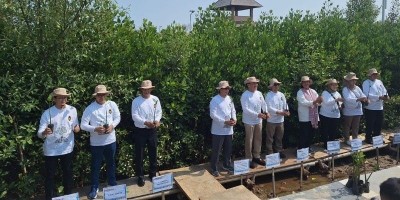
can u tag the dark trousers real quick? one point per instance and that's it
(329, 128)
(51, 163)
(143, 137)
(217, 142)
(306, 136)
(373, 122)
(108, 153)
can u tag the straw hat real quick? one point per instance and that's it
(146, 84)
(100, 89)
(273, 81)
(60, 92)
(251, 80)
(350, 76)
(223, 84)
(372, 71)
(305, 78)
(331, 81)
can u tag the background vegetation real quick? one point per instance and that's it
(78, 44)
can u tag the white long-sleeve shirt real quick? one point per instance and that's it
(329, 107)
(96, 115)
(222, 109)
(304, 105)
(373, 90)
(61, 141)
(253, 103)
(352, 107)
(146, 110)
(276, 101)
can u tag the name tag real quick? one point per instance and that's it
(115, 192)
(272, 160)
(356, 144)
(333, 147)
(164, 182)
(74, 196)
(302, 154)
(377, 141)
(241, 166)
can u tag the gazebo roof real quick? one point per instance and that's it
(237, 4)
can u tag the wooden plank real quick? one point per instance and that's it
(235, 193)
(198, 184)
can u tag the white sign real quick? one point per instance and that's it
(115, 192)
(241, 166)
(333, 147)
(356, 144)
(272, 160)
(396, 139)
(74, 196)
(164, 182)
(302, 154)
(377, 141)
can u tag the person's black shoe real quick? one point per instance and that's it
(259, 161)
(282, 155)
(140, 181)
(253, 165)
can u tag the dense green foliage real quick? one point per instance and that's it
(79, 44)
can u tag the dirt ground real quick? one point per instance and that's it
(289, 182)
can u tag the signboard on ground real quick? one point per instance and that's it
(272, 160)
(117, 192)
(164, 182)
(302, 154)
(396, 139)
(333, 147)
(74, 196)
(377, 141)
(356, 144)
(241, 166)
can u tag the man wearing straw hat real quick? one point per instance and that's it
(352, 111)
(146, 114)
(254, 111)
(101, 118)
(278, 109)
(376, 94)
(223, 114)
(57, 127)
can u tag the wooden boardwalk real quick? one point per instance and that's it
(289, 163)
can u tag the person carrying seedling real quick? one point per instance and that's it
(57, 127)
(101, 118)
(146, 114)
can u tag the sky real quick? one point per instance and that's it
(164, 12)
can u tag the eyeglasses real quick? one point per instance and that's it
(101, 95)
(61, 97)
(277, 84)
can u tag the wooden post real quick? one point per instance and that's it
(333, 167)
(241, 179)
(301, 176)
(377, 158)
(163, 196)
(273, 181)
(398, 146)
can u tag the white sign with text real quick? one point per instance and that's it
(396, 139)
(164, 182)
(377, 141)
(117, 192)
(333, 147)
(241, 166)
(272, 160)
(356, 144)
(74, 196)
(302, 154)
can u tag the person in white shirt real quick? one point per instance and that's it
(100, 119)
(330, 111)
(223, 115)
(352, 111)
(308, 102)
(278, 109)
(57, 127)
(146, 114)
(376, 94)
(254, 111)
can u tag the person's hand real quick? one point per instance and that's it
(149, 124)
(260, 115)
(340, 99)
(100, 130)
(77, 128)
(230, 122)
(362, 99)
(287, 113)
(47, 132)
(384, 97)
(156, 124)
(266, 116)
(109, 129)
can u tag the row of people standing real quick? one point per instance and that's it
(313, 111)
(59, 123)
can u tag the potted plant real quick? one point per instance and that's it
(358, 163)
